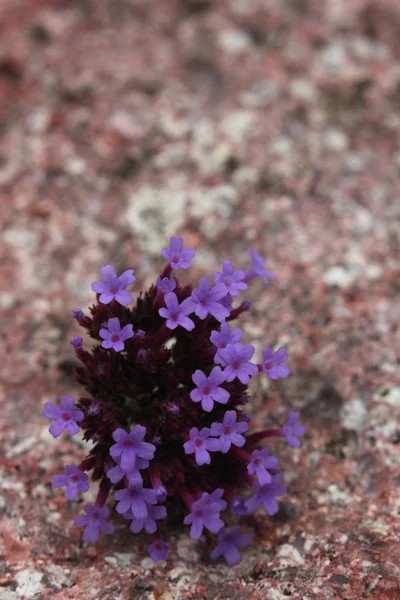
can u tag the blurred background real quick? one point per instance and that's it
(270, 123)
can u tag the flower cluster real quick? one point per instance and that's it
(166, 386)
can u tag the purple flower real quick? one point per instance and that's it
(265, 495)
(205, 513)
(78, 314)
(130, 446)
(65, 417)
(175, 313)
(76, 342)
(158, 550)
(149, 523)
(223, 337)
(272, 363)
(226, 302)
(114, 337)
(113, 287)
(74, 480)
(116, 473)
(256, 268)
(260, 463)
(205, 300)
(200, 443)
(165, 285)
(228, 544)
(229, 431)
(136, 498)
(178, 258)
(238, 506)
(291, 430)
(94, 521)
(208, 390)
(233, 280)
(235, 358)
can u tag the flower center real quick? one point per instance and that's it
(198, 442)
(127, 443)
(115, 338)
(236, 364)
(66, 416)
(75, 478)
(113, 288)
(268, 364)
(198, 514)
(257, 462)
(206, 389)
(227, 430)
(175, 258)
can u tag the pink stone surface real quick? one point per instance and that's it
(271, 123)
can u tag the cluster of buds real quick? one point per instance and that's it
(167, 385)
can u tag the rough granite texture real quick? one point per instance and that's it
(273, 123)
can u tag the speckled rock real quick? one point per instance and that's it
(232, 123)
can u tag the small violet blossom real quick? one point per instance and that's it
(175, 313)
(223, 337)
(201, 444)
(114, 337)
(155, 513)
(229, 431)
(205, 300)
(113, 287)
(260, 462)
(256, 268)
(165, 285)
(136, 498)
(176, 256)
(235, 358)
(204, 514)
(94, 521)
(228, 544)
(266, 495)
(65, 417)
(238, 506)
(208, 391)
(76, 342)
(117, 473)
(158, 550)
(74, 480)
(130, 446)
(78, 314)
(292, 430)
(233, 280)
(272, 363)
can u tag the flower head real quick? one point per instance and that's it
(114, 337)
(229, 431)
(233, 280)
(94, 521)
(74, 480)
(201, 445)
(113, 287)
(292, 430)
(272, 363)
(208, 391)
(235, 358)
(228, 544)
(175, 313)
(177, 257)
(260, 462)
(205, 300)
(165, 387)
(158, 550)
(65, 417)
(256, 268)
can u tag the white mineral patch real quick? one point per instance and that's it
(289, 556)
(29, 583)
(353, 415)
